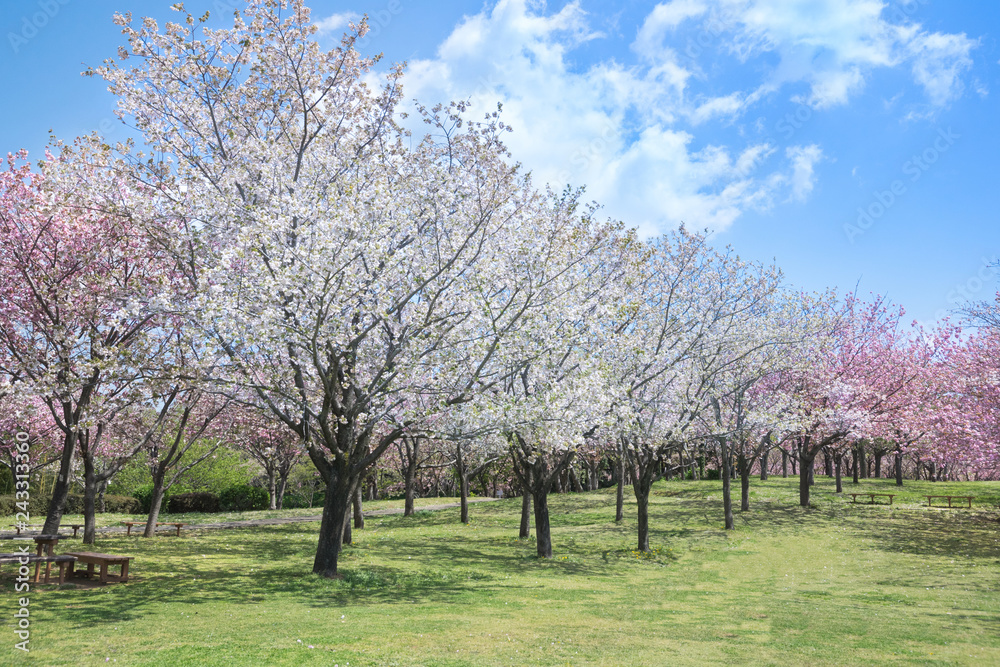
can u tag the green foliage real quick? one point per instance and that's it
(243, 497)
(131, 479)
(37, 506)
(196, 501)
(144, 496)
(222, 469)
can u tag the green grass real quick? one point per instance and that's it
(833, 584)
(115, 519)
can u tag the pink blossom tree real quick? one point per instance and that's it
(80, 312)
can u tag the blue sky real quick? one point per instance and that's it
(851, 141)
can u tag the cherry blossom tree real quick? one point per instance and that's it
(82, 289)
(271, 444)
(338, 263)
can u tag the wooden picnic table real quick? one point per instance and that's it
(62, 561)
(176, 525)
(966, 498)
(872, 496)
(46, 543)
(103, 561)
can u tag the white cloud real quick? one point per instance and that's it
(627, 130)
(610, 127)
(803, 159)
(830, 45)
(336, 23)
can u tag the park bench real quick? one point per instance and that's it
(102, 560)
(966, 498)
(872, 496)
(129, 525)
(18, 527)
(62, 561)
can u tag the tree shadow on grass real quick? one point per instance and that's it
(275, 566)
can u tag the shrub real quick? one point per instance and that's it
(242, 498)
(198, 501)
(713, 473)
(121, 504)
(37, 507)
(144, 496)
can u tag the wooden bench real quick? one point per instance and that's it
(17, 527)
(75, 527)
(63, 561)
(103, 560)
(129, 525)
(966, 498)
(872, 496)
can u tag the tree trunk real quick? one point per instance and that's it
(89, 500)
(642, 503)
(784, 464)
(878, 464)
(411, 446)
(60, 490)
(744, 468)
(359, 515)
(763, 465)
(463, 481)
(574, 480)
(543, 536)
(827, 463)
(855, 465)
(101, 488)
(862, 464)
(409, 493)
(899, 467)
(348, 536)
(331, 531)
(525, 531)
(836, 466)
(282, 485)
(620, 495)
(155, 503)
(805, 467)
(272, 490)
(727, 499)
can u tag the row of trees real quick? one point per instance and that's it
(280, 261)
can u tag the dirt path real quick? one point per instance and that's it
(292, 519)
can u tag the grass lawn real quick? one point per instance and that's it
(833, 584)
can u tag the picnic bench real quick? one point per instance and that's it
(872, 496)
(129, 525)
(19, 526)
(63, 561)
(102, 560)
(966, 498)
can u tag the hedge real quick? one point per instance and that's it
(242, 498)
(39, 507)
(198, 501)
